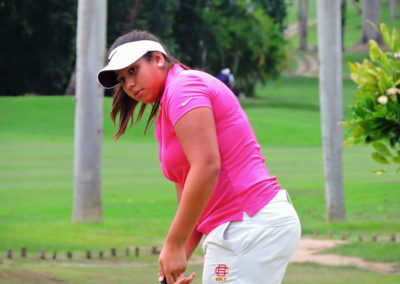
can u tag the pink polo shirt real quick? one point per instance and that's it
(244, 183)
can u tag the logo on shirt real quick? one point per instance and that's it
(185, 102)
(221, 271)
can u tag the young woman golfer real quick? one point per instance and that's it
(208, 149)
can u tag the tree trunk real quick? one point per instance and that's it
(302, 19)
(128, 25)
(70, 89)
(393, 9)
(330, 84)
(371, 11)
(343, 8)
(91, 42)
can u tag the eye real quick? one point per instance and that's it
(131, 70)
(121, 80)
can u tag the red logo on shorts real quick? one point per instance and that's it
(221, 271)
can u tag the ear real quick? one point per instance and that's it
(159, 59)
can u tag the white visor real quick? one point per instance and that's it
(123, 56)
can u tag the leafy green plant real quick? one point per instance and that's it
(376, 111)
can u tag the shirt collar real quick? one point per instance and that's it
(172, 73)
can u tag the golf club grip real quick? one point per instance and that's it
(164, 281)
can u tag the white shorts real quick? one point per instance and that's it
(255, 250)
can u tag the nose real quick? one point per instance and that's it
(130, 83)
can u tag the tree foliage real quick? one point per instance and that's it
(238, 34)
(39, 53)
(376, 111)
(246, 36)
(37, 47)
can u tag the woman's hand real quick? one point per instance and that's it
(185, 280)
(172, 262)
(182, 279)
(196, 132)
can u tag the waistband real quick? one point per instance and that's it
(281, 196)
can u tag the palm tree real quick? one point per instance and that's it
(393, 9)
(330, 84)
(371, 11)
(302, 20)
(91, 42)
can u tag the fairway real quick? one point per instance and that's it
(36, 189)
(36, 177)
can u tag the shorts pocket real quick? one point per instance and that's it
(237, 236)
(215, 238)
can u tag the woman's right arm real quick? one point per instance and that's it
(196, 236)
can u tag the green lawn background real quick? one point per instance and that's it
(36, 182)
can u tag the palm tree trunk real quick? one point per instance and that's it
(302, 20)
(91, 42)
(393, 9)
(371, 11)
(330, 84)
(343, 8)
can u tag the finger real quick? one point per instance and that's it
(191, 277)
(161, 274)
(187, 280)
(170, 279)
(182, 276)
(175, 276)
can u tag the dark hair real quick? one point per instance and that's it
(122, 104)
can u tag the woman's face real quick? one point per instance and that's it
(144, 80)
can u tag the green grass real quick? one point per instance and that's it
(351, 35)
(353, 23)
(36, 185)
(84, 273)
(317, 274)
(372, 251)
(36, 177)
(51, 118)
(105, 272)
(292, 10)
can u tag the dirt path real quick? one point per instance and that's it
(307, 63)
(293, 28)
(308, 251)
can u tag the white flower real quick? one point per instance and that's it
(396, 55)
(383, 100)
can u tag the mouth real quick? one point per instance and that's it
(139, 93)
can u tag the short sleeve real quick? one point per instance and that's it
(186, 93)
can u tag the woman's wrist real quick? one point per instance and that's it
(175, 241)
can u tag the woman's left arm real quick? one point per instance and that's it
(197, 134)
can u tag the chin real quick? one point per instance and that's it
(149, 100)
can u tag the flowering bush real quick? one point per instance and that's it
(376, 111)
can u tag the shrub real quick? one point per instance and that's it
(376, 111)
